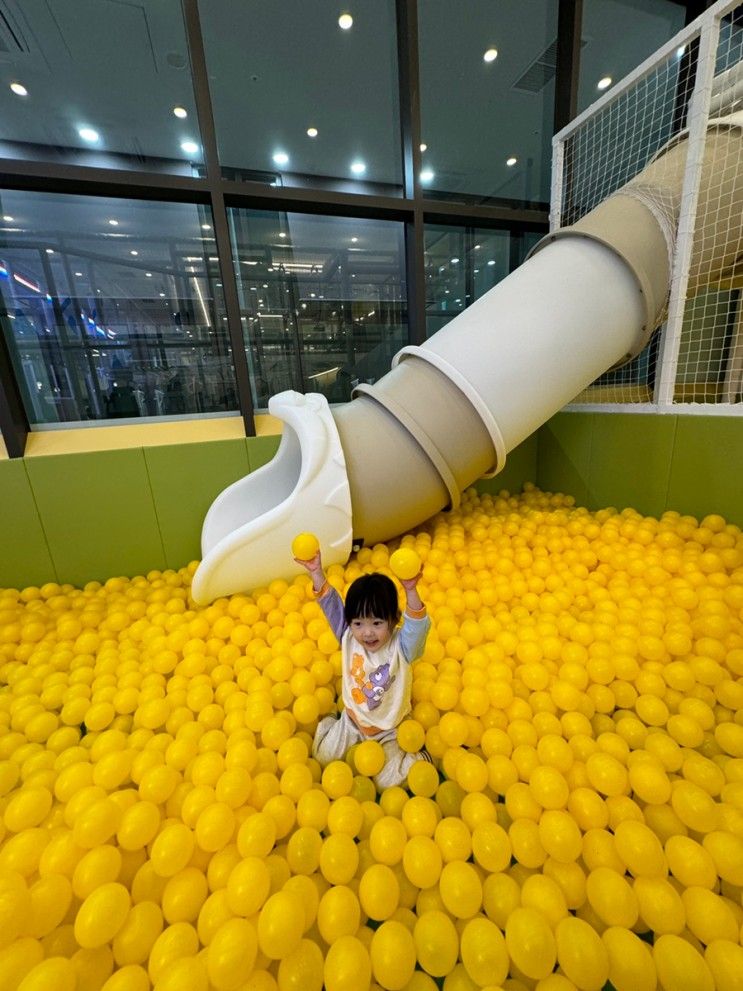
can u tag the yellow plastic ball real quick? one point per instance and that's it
(369, 758)
(280, 925)
(305, 546)
(101, 915)
(405, 563)
(436, 942)
(338, 913)
(347, 965)
(392, 955)
(531, 943)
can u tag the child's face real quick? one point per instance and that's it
(371, 632)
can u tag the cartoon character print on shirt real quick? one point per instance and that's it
(369, 691)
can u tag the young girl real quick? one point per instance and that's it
(376, 672)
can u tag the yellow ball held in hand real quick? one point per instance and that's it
(405, 563)
(305, 546)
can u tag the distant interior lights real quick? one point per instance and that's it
(19, 89)
(358, 167)
(604, 83)
(511, 161)
(345, 21)
(427, 175)
(190, 147)
(424, 146)
(311, 132)
(88, 134)
(490, 55)
(7, 218)
(113, 223)
(180, 112)
(281, 158)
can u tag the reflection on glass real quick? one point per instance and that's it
(462, 264)
(322, 300)
(113, 308)
(296, 96)
(617, 36)
(487, 98)
(98, 84)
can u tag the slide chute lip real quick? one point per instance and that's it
(305, 487)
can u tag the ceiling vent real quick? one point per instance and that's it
(541, 70)
(12, 41)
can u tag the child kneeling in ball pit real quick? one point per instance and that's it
(376, 666)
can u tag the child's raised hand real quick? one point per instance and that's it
(313, 565)
(409, 584)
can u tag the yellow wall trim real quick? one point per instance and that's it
(80, 440)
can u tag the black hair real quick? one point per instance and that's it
(372, 595)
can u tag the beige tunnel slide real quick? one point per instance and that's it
(587, 299)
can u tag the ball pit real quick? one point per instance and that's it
(163, 825)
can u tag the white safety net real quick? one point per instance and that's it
(672, 138)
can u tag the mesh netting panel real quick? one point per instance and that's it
(611, 147)
(710, 356)
(628, 147)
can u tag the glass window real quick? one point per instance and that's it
(95, 83)
(487, 75)
(322, 299)
(463, 263)
(617, 36)
(298, 99)
(113, 308)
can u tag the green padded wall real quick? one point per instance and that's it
(79, 517)
(693, 464)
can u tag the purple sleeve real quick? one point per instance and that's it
(332, 605)
(413, 634)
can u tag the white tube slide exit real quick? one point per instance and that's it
(448, 412)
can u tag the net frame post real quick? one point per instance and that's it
(557, 181)
(698, 118)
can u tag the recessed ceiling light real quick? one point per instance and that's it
(427, 175)
(88, 134)
(162, 294)
(511, 161)
(190, 147)
(281, 158)
(680, 51)
(491, 262)
(50, 251)
(114, 223)
(148, 274)
(206, 227)
(490, 55)
(79, 274)
(424, 146)
(19, 89)
(7, 218)
(358, 168)
(282, 234)
(354, 240)
(604, 83)
(180, 112)
(133, 252)
(454, 261)
(312, 132)
(345, 21)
